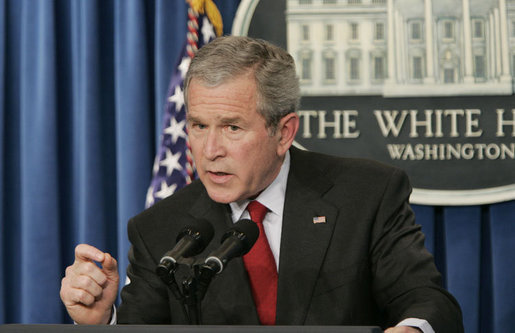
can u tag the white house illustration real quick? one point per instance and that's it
(403, 47)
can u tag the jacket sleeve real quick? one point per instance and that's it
(145, 297)
(406, 281)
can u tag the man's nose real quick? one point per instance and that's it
(213, 146)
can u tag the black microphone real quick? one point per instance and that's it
(236, 242)
(191, 240)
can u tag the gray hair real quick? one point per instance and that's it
(273, 68)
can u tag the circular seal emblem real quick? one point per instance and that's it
(427, 88)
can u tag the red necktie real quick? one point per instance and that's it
(260, 265)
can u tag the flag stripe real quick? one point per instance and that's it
(173, 164)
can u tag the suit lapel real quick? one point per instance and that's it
(303, 242)
(205, 208)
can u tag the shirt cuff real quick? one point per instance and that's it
(114, 318)
(421, 324)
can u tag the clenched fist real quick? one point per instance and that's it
(87, 291)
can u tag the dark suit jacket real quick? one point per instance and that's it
(366, 265)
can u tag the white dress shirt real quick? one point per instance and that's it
(273, 199)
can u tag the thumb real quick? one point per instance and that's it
(109, 266)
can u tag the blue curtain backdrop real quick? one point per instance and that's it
(82, 89)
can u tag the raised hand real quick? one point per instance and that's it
(88, 291)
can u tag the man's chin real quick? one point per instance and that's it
(221, 196)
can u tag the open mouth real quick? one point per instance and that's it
(218, 176)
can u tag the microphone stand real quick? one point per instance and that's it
(204, 273)
(189, 288)
(194, 288)
(171, 283)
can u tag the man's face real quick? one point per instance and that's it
(235, 155)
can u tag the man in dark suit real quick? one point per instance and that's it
(339, 233)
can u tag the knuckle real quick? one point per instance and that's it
(97, 291)
(78, 295)
(62, 294)
(84, 282)
(89, 267)
(102, 279)
(64, 283)
(85, 298)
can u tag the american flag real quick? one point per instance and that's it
(319, 219)
(173, 165)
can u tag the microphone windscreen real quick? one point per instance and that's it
(247, 228)
(202, 231)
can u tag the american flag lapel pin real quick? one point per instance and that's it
(318, 219)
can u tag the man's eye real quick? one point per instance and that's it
(198, 126)
(233, 128)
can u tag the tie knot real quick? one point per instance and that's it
(257, 211)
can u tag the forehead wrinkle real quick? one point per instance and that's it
(222, 119)
(225, 111)
(224, 92)
(221, 100)
(236, 110)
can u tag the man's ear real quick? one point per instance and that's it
(287, 129)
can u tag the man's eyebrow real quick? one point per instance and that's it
(190, 118)
(230, 120)
(223, 119)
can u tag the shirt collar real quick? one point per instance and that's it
(272, 197)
